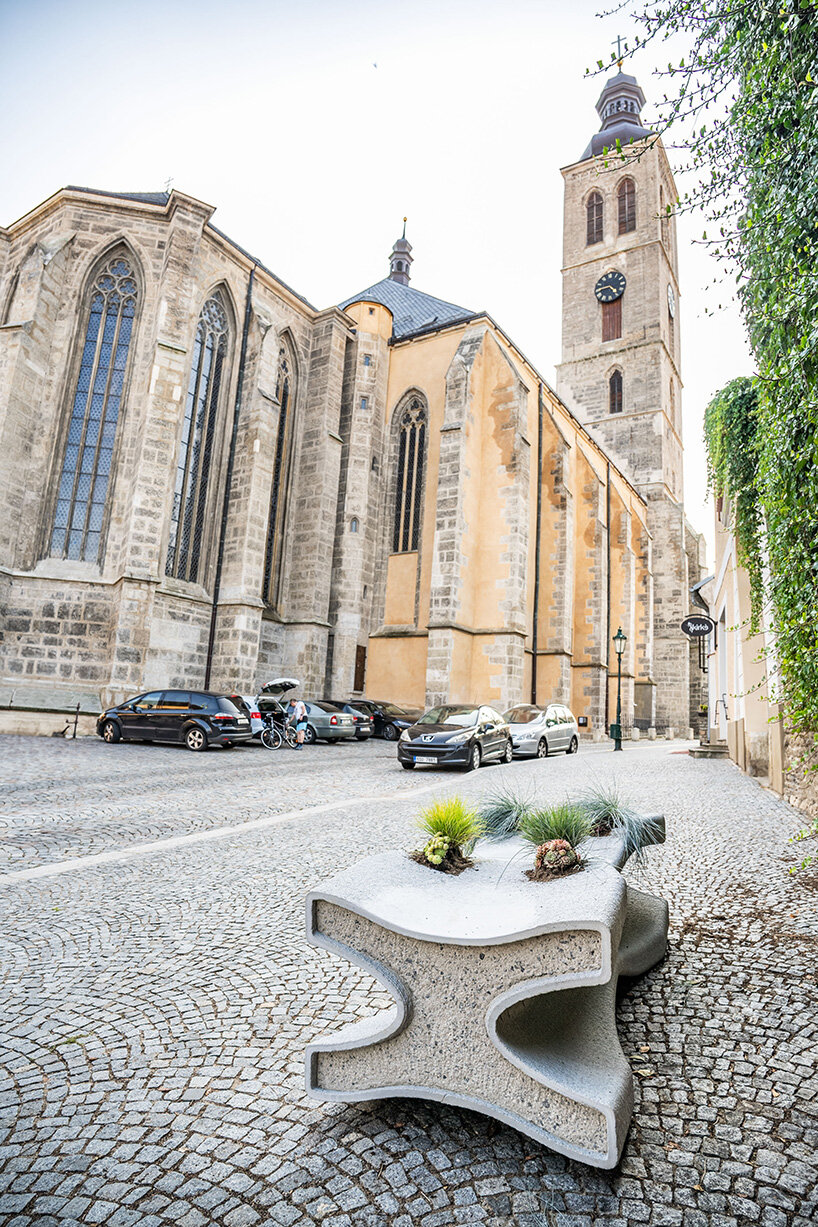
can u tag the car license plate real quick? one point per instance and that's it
(242, 720)
(424, 758)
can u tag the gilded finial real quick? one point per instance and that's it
(403, 236)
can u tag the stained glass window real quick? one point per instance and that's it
(409, 489)
(82, 497)
(188, 516)
(593, 219)
(285, 390)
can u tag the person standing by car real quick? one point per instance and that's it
(297, 715)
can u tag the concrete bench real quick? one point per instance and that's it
(504, 990)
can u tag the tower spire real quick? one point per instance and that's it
(400, 259)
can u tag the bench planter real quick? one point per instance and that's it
(504, 989)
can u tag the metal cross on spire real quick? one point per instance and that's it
(618, 45)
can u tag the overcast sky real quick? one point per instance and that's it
(313, 127)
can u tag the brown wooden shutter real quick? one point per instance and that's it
(360, 668)
(612, 320)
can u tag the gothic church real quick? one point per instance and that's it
(207, 481)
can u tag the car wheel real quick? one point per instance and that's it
(310, 736)
(508, 753)
(390, 732)
(542, 748)
(574, 746)
(474, 758)
(195, 738)
(110, 732)
(408, 766)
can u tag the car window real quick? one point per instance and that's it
(269, 705)
(204, 702)
(462, 717)
(325, 705)
(552, 714)
(149, 700)
(522, 715)
(494, 716)
(178, 700)
(238, 701)
(226, 705)
(567, 718)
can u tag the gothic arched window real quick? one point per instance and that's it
(593, 219)
(615, 393)
(626, 197)
(285, 392)
(82, 496)
(188, 517)
(409, 487)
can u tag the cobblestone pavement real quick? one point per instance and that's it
(155, 1006)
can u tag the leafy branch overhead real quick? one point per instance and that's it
(745, 96)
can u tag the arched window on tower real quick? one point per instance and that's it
(593, 219)
(285, 395)
(85, 477)
(615, 392)
(626, 197)
(409, 486)
(188, 521)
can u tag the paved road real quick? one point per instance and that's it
(158, 993)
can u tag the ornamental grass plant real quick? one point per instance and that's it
(565, 820)
(452, 828)
(502, 812)
(609, 813)
(556, 832)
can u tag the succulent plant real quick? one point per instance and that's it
(555, 857)
(436, 849)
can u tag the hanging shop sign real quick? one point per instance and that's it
(698, 625)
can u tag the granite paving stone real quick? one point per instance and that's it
(155, 1001)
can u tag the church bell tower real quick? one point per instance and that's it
(620, 369)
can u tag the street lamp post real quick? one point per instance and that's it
(619, 641)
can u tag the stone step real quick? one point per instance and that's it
(717, 749)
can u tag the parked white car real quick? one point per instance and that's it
(537, 732)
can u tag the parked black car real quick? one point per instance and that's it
(464, 736)
(364, 724)
(388, 720)
(197, 718)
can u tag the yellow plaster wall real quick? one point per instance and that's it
(396, 669)
(401, 584)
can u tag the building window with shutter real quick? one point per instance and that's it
(626, 196)
(615, 393)
(593, 219)
(85, 477)
(612, 320)
(409, 484)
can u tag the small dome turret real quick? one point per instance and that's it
(619, 108)
(400, 259)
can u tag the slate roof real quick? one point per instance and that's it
(412, 310)
(625, 132)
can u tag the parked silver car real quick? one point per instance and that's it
(327, 722)
(537, 732)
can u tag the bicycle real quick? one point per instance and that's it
(273, 737)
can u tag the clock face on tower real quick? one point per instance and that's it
(671, 301)
(610, 287)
